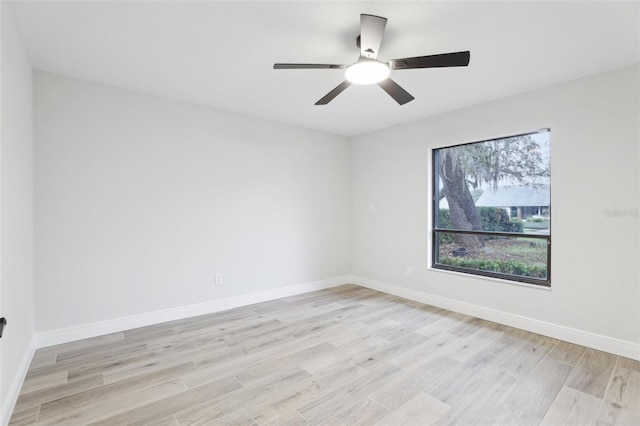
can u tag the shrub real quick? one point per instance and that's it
(511, 267)
(492, 219)
(445, 219)
(497, 220)
(514, 225)
(538, 219)
(445, 222)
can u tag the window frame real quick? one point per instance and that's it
(435, 231)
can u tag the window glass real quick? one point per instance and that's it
(494, 199)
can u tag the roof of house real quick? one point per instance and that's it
(475, 194)
(507, 196)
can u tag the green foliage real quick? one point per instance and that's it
(514, 225)
(444, 219)
(492, 219)
(538, 219)
(497, 220)
(517, 158)
(511, 267)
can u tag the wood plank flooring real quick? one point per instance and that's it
(342, 356)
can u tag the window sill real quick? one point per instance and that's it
(492, 279)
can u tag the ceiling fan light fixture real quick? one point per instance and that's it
(367, 71)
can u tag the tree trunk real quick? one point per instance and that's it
(464, 214)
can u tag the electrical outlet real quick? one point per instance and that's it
(218, 279)
(409, 271)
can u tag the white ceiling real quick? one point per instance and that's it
(221, 53)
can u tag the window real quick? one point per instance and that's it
(492, 208)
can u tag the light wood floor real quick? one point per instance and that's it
(347, 355)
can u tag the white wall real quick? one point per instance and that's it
(16, 215)
(595, 132)
(141, 200)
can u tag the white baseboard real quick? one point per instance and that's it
(9, 402)
(56, 337)
(579, 337)
(584, 338)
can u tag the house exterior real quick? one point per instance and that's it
(520, 201)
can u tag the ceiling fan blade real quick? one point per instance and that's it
(455, 59)
(371, 32)
(395, 91)
(307, 66)
(335, 92)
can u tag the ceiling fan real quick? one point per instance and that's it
(369, 70)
